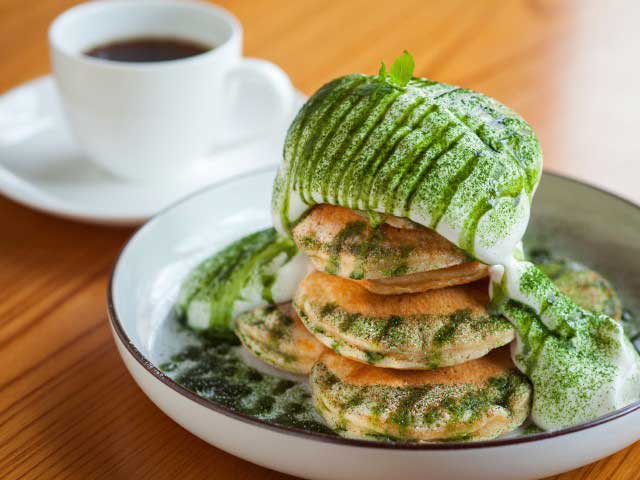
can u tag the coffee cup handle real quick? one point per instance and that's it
(274, 80)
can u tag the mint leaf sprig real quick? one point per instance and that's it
(400, 73)
(382, 73)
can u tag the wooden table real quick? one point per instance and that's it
(69, 409)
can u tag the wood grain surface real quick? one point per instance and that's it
(69, 409)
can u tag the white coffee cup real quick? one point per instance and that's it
(154, 120)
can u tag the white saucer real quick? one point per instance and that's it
(42, 167)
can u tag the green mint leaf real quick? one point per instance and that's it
(382, 73)
(402, 70)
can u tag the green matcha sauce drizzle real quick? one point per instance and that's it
(242, 276)
(214, 369)
(580, 362)
(447, 158)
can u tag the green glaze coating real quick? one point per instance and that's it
(572, 356)
(215, 370)
(243, 271)
(585, 287)
(440, 155)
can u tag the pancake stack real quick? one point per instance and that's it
(380, 174)
(394, 330)
(399, 191)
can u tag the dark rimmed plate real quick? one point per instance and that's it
(571, 218)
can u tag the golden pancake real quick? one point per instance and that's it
(342, 242)
(413, 331)
(478, 400)
(431, 280)
(276, 336)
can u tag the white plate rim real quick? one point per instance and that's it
(149, 366)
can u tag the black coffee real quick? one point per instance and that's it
(147, 50)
